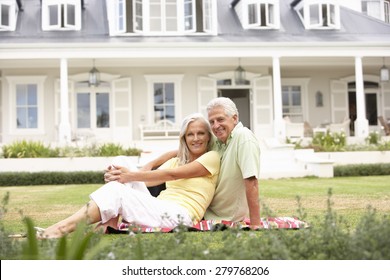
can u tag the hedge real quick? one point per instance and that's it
(50, 178)
(96, 177)
(376, 169)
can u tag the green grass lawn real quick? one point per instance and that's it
(334, 239)
(350, 197)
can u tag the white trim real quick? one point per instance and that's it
(37, 80)
(207, 90)
(139, 50)
(121, 126)
(338, 91)
(262, 118)
(366, 77)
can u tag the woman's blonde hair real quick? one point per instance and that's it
(184, 153)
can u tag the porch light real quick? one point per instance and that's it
(239, 74)
(384, 74)
(94, 76)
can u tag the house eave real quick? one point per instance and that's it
(183, 50)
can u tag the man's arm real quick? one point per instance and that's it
(252, 197)
(159, 161)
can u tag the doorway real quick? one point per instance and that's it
(241, 97)
(371, 109)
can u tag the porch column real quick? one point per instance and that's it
(361, 123)
(64, 131)
(279, 125)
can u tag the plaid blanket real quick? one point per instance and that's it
(215, 225)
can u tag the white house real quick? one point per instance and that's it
(106, 69)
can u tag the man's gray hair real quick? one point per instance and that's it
(226, 103)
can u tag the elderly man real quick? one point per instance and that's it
(237, 187)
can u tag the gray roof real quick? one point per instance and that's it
(355, 27)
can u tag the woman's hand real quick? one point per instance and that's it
(118, 173)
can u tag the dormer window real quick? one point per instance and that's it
(61, 14)
(318, 14)
(258, 14)
(162, 17)
(377, 8)
(8, 14)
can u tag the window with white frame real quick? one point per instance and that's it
(376, 8)
(164, 97)
(258, 14)
(93, 109)
(61, 14)
(292, 102)
(163, 17)
(26, 104)
(164, 101)
(8, 15)
(319, 14)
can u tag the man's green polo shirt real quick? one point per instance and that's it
(240, 159)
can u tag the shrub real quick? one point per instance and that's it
(28, 149)
(31, 149)
(50, 178)
(108, 150)
(373, 138)
(329, 142)
(384, 146)
(361, 170)
(133, 152)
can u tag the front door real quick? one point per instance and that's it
(371, 103)
(241, 98)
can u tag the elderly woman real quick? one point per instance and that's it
(183, 202)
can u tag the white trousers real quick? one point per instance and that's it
(136, 205)
(124, 161)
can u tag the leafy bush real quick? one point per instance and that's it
(384, 146)
(108, 150)
(133, 152)
(329, 142)
(31, 149)
(28, 149)
(373, 138)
